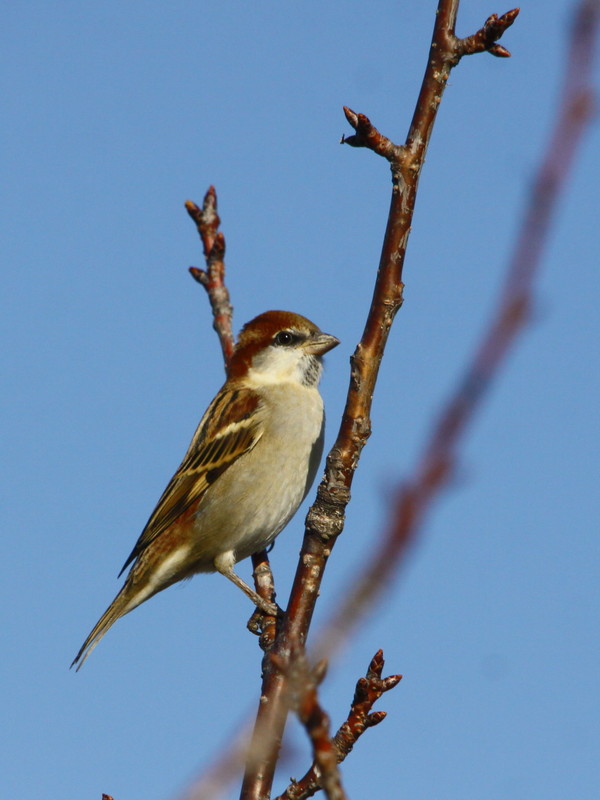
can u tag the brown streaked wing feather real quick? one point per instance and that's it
(208, 456)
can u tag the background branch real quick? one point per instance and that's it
(302, 696)
(360, 718)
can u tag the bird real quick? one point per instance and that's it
(251, 462)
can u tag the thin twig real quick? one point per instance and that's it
(360, 718)
(325, 519)
(213, 280)
(368, 690)
(213, 277)
(486, 38)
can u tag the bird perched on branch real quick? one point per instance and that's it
(250, 464)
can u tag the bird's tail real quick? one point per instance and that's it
(121, 605)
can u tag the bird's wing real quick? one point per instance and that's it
(229, 428)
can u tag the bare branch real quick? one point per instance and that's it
(486, 38)
(325, 519)
(206, 218)
(367, 135)
(213, 278)
(368, 690)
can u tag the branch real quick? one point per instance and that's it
(367, 135)
(439, 457)
(325, 519)
(368, 690)
(213, 278)
(486, 38)
(360, 718)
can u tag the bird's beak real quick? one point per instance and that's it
(320, 343)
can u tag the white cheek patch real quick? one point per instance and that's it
(274, 365)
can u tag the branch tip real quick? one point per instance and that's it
(351, 116)
(486, 38)
(499, 51)
(376, 666)
(209, 208)
(495, 26)
(192, 209)
(213, 277)
(391, 682)
(368, 136)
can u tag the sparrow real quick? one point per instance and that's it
(251, 462)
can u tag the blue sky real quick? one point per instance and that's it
(116, 113)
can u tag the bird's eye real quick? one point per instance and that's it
(285, 338)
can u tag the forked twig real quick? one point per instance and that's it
(360, 718)
(213, 277)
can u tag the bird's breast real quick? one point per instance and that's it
(253, 500)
